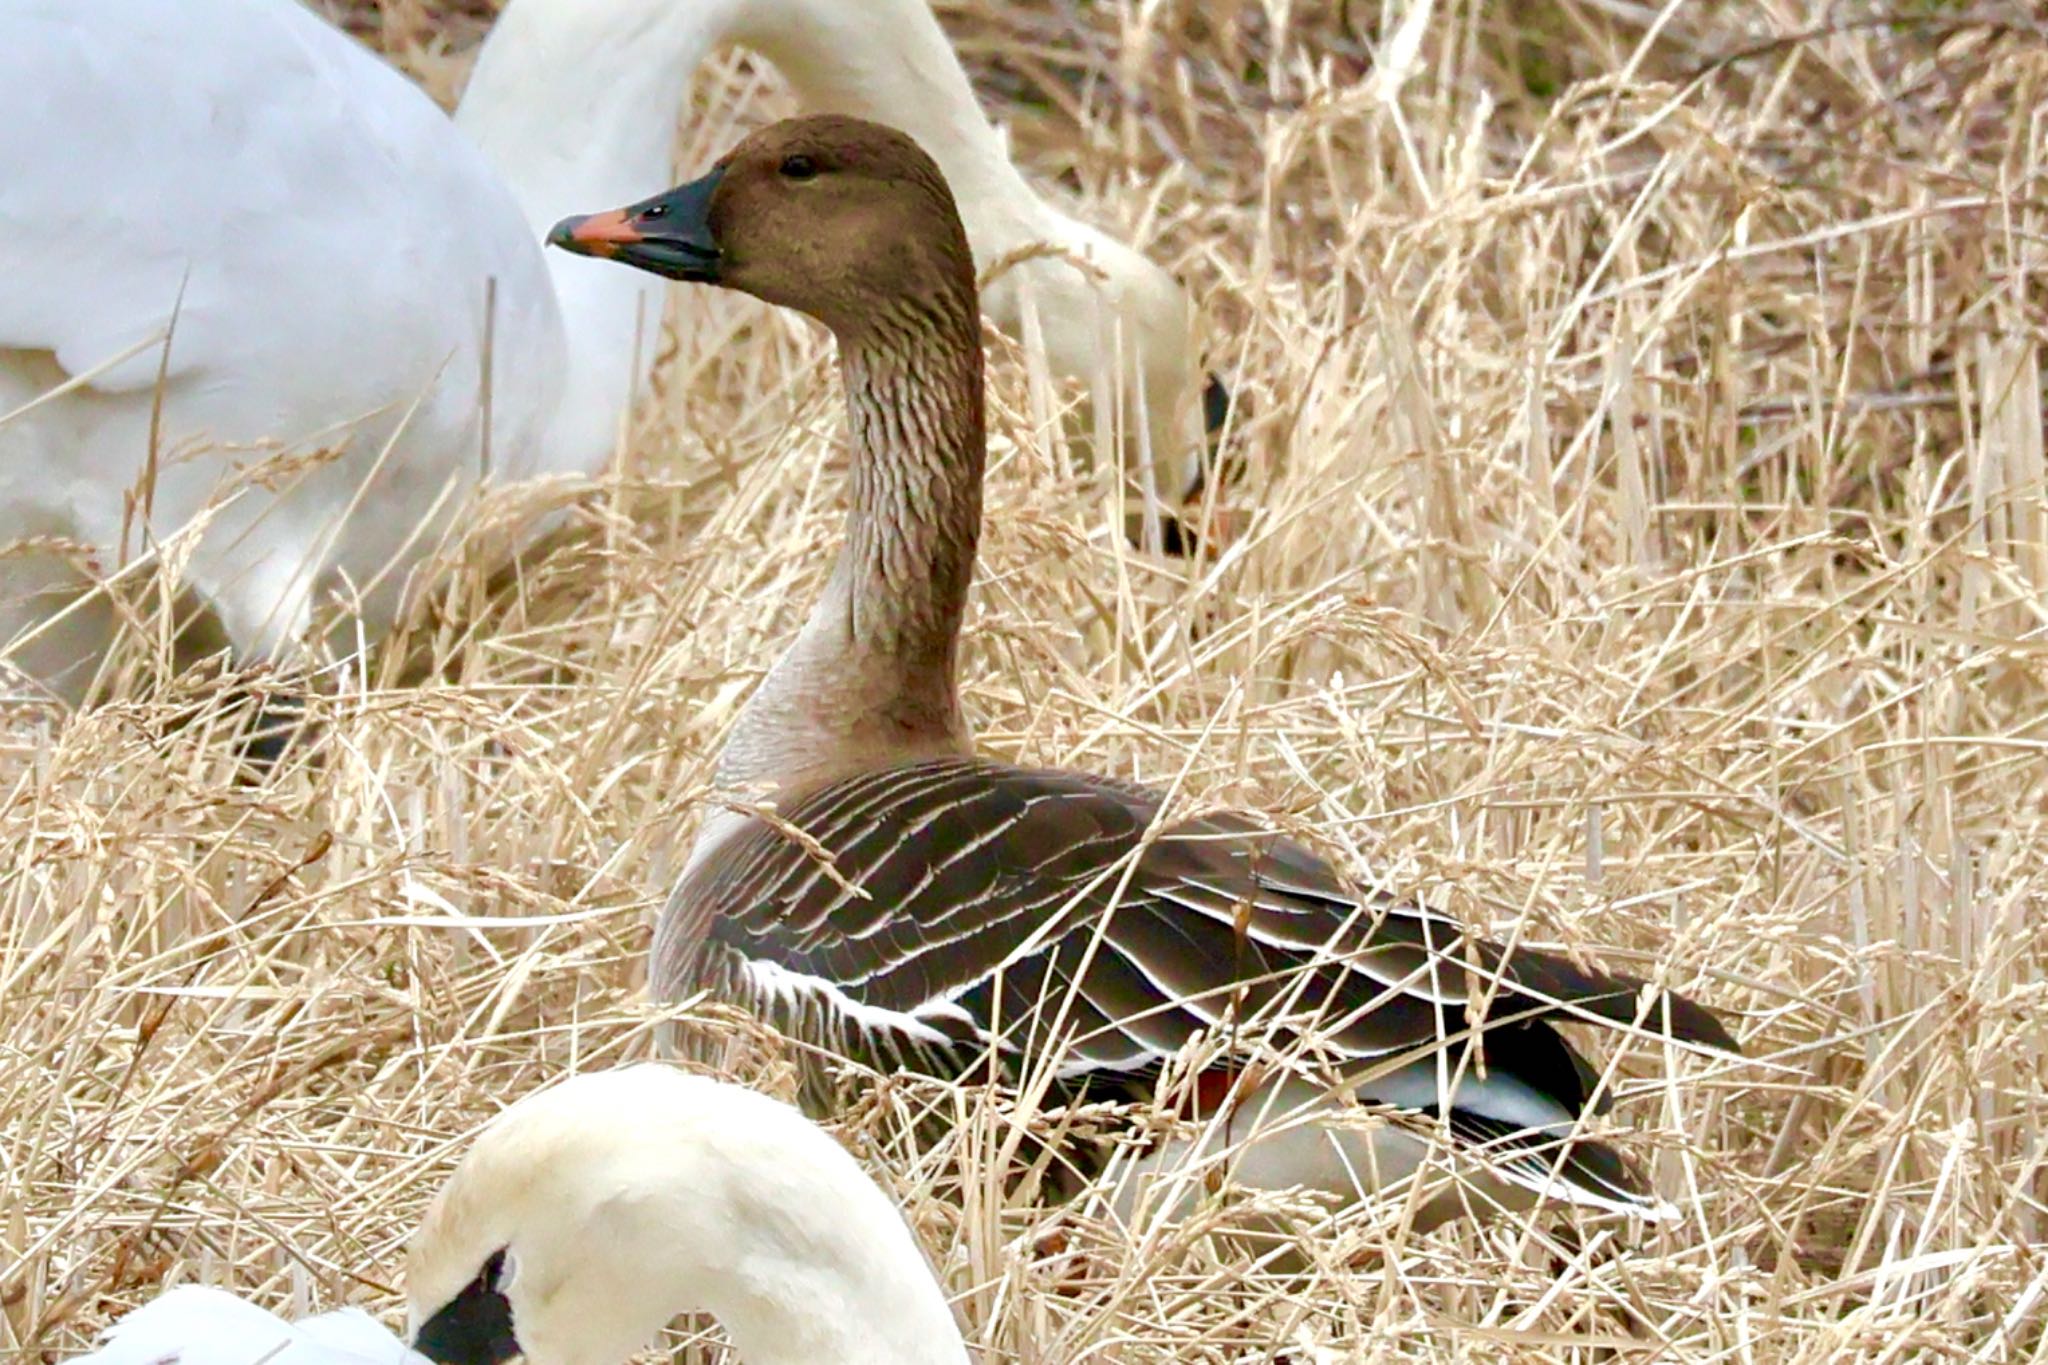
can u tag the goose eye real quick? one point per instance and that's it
(799, 167)
(653, 211)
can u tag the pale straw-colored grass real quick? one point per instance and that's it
(1641, 551)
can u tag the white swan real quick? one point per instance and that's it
(586, 1217)
(235, 199)
(200, 1325)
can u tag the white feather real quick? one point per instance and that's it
(237, 197)
(1290, 1133)
(630, 1196)
(778, 983)
(201, 1325)
(625, 1198)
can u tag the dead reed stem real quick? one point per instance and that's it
(1639, 460)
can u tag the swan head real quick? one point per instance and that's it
(836, 217)
(587, 1216)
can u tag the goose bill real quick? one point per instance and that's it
(668, 235)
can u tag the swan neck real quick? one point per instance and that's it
(575, 106)
(800, 1257)
(626, 1198)
(890, 62)
(867, 1305)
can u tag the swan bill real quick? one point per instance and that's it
(474, 1327)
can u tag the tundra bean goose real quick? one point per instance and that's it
(229, 235)
(976, 910)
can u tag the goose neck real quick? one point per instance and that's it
(871, 676)
(574, 103)
(914, 401)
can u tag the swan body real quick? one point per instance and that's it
(618, 1200)
(194, 205)
(201, 1325)
(256, 286)
(588, 1215)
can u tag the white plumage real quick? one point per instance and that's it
(326, 240)
(587, 1216)
(323, 237)
(201, 1325)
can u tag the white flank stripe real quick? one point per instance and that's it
(946, 1009)
(1653, 1211)
(778, 983)
(1496, 1095)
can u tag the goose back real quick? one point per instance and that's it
(956, 916)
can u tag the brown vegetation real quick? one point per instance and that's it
(1641, 478)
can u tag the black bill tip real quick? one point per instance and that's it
(669, 235)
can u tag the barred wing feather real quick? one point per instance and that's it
(972, 903)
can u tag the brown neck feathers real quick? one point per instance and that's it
(914, 397)
(871, 677)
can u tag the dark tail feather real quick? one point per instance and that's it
(1686, 1020)
(1550, 982)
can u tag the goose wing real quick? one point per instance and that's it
(962, 905)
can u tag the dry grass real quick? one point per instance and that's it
(1642, 442)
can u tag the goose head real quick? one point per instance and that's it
(853, 224)
(839, 217)
(835, 217)
(587, 1216)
